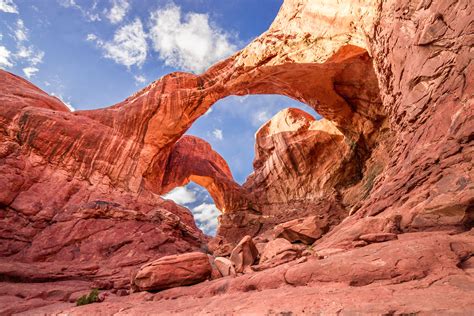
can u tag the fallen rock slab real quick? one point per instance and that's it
(279, 250)
(172, 271)
(306, 230)
(244, 255)
(224, 266)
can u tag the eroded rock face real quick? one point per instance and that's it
(193, 159)
(59, 224)
(278, 251)
(297, 158)
(172, 271)
(404, 133)
(306, 230)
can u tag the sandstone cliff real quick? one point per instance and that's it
(385, 180)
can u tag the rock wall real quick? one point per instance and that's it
(393, 80)
(423, 57)
(56, 224)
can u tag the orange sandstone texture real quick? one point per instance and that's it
(391, 160)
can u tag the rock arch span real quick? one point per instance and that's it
(128, 146)
(78, 190)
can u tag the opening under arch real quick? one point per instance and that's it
(230, 127)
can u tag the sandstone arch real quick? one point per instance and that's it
(129, 145)
(66, 177)
(193, 159)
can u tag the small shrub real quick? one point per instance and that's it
(88, 299)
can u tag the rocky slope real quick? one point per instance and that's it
(381, 188)
(60, 231)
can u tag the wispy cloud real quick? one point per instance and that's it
(139, 79)
(217, 133)
(128, 47)
(260, 117)
(91, 37)
(26, 55)
(30, 54)
(8, 6)
(189, 42)
(30, 71)
(181, 195)
(21, 32)
(89, 14)
(118, 11)
(63, 100)
(5, 58)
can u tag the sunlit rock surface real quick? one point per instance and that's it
(389, 170)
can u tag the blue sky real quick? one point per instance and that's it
(93, 54)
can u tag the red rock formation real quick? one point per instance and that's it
(306, 230)
(244, 255)
(420, 273)
(278, 251)
(297, 159)
(300, 167)
(172, 271)
(427, 89)
(405, 165)
(225, 266)
(192, 159)
(57, 225)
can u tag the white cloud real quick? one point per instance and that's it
(8, 6)
(66, 103)
(21, 32)
(217, 133)
(206, 217)
(190, 42)
(5, 56)
(118, 11)
(129, 46)
(181, 195)
(94, 38)
(30, 71)
(30, 54)
(26, 55)
(139, 79)
(91, 37)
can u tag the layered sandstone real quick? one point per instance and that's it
(391, 159)
(172, 271)
(419, 273)
(61, 228)
(193, 159)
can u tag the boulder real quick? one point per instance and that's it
(306, 230)
(279, 251)
(215, 273)
(244, 255)
(224, 266)
(173, 271)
